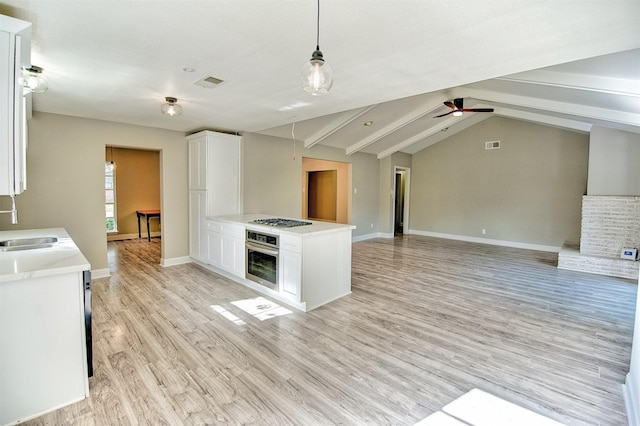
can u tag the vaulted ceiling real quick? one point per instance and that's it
(571, 64)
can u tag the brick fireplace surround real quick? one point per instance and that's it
(609, 224)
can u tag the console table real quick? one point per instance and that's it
(147, 214)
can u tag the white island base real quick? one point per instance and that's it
(314, 262)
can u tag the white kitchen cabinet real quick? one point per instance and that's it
(43, 352)
(214, 175)
(233, 249)
(226, 247)
(291, 265)
(215, 158)
(197, 164)
(197, 225)
(15, 54)
(214, 244)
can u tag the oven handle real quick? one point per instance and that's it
(261, 248)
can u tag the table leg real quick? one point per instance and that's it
(138, 214)
(148, 230)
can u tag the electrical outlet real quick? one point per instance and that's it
(484, 231)
(372, 226)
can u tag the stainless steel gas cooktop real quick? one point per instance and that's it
(281, 223)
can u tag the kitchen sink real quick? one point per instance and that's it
(27, 243)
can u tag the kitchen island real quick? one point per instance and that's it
(311, 263)
(43, 350)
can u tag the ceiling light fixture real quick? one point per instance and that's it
(368, 123)
(317, 77)
(171, 107)
(33, 81)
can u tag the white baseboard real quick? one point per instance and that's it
(514, 244)
(371, 236)
(119, 237)
(100, 273)
(631, 401)
(175, 261)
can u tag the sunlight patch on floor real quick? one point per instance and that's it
(478, 408)
(261, 308)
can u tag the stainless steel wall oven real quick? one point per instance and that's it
(262, 258)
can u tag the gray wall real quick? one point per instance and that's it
(65, 178)
(273, 179)
(614, 162)
(528, 191)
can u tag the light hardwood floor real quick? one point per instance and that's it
(428, 320)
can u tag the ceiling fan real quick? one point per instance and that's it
(457, 108)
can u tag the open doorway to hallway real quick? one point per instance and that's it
(134, 185)
(401, 200)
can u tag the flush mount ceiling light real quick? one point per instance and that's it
(33, 81)
(171, 107)
(317, 77)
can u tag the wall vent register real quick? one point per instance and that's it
(492, 145)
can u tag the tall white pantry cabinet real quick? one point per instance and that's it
(215, 184)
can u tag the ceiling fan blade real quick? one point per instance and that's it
(450, 104)
(442, 115)
(478, 110)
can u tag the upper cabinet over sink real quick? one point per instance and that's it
(15, 54)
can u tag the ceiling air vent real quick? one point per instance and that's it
(492, 145)
(208, 82)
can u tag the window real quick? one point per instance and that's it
(110, 197)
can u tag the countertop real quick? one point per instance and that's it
(62, 258)
(316, 227)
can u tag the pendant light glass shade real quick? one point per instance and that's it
(317, 76)
(33, 81)
(171, 107)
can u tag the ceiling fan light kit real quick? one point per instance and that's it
(171, 107)
(317, 76)
(458, 109)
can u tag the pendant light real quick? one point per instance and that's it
(33, 81)
(171, 107)
(317, 77)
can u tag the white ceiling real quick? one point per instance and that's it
(570, 63)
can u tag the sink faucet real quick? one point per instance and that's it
(13, 211)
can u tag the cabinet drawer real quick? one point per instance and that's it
(291, 243)
(213, 226)
(232, 230)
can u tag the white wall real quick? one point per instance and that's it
(273, 179)
(614, 162)
(529, 191)
(65, 178)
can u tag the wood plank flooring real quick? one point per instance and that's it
(428, 320)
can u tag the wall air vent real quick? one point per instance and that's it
(208, 82)
(492, 145)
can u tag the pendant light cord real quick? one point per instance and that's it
(318, 28)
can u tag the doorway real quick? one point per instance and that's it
(322, 193)
(326, 187)
(136, 183)
(401, 201)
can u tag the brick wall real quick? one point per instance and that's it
(609, 223)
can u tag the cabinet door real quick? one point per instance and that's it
(223, 174)
(198, 164)
(197, 225)
(214, 243)
(291, 272)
